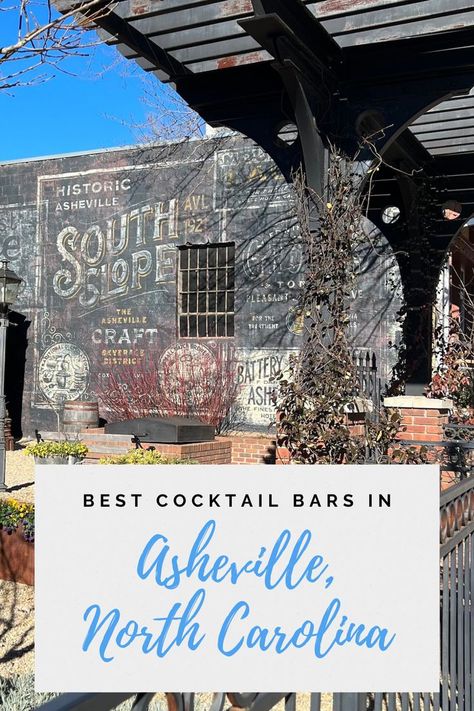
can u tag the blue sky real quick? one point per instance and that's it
(97, 101)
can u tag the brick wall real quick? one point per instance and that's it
(252, 449)
(423, 425)
(217, 452)
(243, 449)
(247, 448)
(101, 445)
(356, 423)
(423, 420)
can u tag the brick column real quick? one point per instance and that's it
(423, 418)
(251, 448)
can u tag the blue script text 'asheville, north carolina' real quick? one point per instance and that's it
(276, 567)
(238, 631)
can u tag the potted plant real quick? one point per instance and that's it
(17, 535)
(63, 452)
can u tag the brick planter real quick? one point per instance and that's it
(252, 449)
(218, 451)
(17, 558)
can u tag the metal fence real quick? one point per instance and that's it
(457, 596)
(368, 383)
(454, 453)
(457, 647)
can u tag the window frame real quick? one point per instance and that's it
(192, 296)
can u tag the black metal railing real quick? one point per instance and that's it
(457, 643)
(457, 590)
(368, 385)
(454, 453)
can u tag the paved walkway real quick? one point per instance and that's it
(20, 476)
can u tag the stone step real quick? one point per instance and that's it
(105, 448)
(98, 437)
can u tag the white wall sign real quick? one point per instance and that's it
(198, 578)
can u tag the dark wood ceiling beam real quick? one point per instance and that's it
(446, 124)
(467, 149)
(388, 82)
(442, 131)
(141, 45)
(303, 24)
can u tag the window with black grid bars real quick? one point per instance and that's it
(206, 291)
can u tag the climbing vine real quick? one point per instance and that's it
(320, 388)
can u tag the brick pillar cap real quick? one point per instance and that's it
(358, 405)
(418, 402)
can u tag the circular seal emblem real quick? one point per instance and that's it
(63, 372)
(188, 371)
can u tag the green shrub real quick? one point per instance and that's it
(56, 449)
(144, 456)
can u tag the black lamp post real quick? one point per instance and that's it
(9, 285)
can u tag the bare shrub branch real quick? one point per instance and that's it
(198, 386)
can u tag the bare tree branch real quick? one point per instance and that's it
(35, 35)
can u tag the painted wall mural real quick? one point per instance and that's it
(96, 238)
